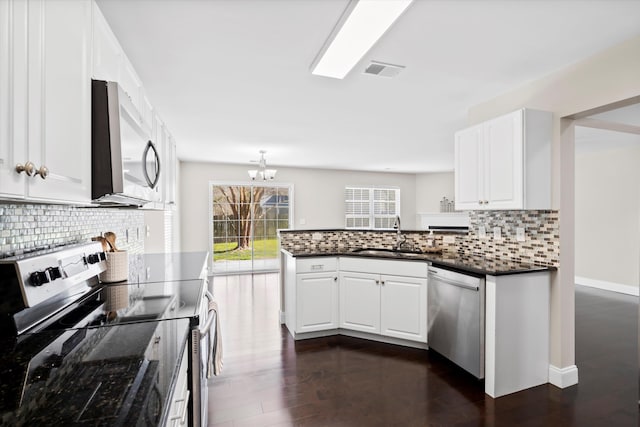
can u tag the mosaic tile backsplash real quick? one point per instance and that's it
(542, 241)
(542, 244)
(28, 227)
(346, 240)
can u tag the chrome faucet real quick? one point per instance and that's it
(400, 239)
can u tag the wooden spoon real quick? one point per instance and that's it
(111, 240)
(103, 241)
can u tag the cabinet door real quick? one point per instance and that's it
(504, 162)
(107, 53)
(60, 99)
(469, 191)
(170, 170)
(317, 302)
(404, 307)
(360, 302)
(13, 96)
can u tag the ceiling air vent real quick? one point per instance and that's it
(381, 69)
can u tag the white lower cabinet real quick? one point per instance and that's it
(393, 306)
(384, 297)
(360, 302)
(311, 294)
(317, 303)
(378, 297)
(403, 307)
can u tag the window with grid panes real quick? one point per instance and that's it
(371, 207)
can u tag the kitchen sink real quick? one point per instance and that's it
(388, 252)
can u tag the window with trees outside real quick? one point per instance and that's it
(371, 207)
(245, 219)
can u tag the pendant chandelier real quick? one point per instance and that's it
(263, 173)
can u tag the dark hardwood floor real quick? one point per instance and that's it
(268, 379)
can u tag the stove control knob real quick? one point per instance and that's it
(103, 256)
(93, 258)
(54, 273)
(38, 278)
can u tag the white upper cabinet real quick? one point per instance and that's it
(13, 98)
(107, 53)
(46, 115)
(505, 163)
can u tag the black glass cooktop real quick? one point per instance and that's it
(100, 376)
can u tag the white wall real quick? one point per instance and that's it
(431, 188)
(318, 196)
(607, 209)
(608, 77)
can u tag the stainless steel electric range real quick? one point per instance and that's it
(81, 352)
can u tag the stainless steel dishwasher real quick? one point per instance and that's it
(456, 318)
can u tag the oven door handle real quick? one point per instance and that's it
(207, 326)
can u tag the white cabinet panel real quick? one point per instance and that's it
(404, 307)
(107, 53)
(360, 302)
(505, 163)
(317, 302)
(45, 107)
(468, 167)
(13, 97)
(60, 99)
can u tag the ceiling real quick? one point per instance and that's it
(231, 77)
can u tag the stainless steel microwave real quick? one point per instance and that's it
(125, 162)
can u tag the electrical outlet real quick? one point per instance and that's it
(303, 221)
(520, 236)
(482, 232)
(316, 236)
(497, 233)
(147, 230)
(449, 239)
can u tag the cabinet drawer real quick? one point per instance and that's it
(316, 265)
(384, 266)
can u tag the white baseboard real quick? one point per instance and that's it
(563, 377)
(608, 286)
(283, 317)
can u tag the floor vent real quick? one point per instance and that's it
(384, 70)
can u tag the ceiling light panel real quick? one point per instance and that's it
(359, 28)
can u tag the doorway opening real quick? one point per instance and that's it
(244, 222)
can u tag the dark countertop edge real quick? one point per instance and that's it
(427, 258)
(363, 230)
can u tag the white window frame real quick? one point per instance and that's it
(352, 214)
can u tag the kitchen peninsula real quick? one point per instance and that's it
(383, 295)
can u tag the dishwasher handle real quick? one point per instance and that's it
(433, 276)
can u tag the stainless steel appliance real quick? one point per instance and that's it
(456, 318)
(125, 162)
(149, 335)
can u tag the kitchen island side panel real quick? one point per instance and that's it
(517, 332)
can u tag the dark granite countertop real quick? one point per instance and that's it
(476, 264)
(91, 376)
(166, 267)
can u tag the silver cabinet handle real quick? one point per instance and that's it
(43, 172)
(28, 168)
(335, 279)
(377, 282)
